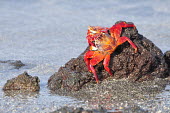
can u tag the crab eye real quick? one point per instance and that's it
(93, 41)
(108, 31)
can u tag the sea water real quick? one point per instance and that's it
(45, 34)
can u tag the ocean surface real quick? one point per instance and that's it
(45, 34)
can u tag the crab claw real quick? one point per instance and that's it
(92, 58)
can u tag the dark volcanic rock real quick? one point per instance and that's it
(23, 82)
(15, 63)
(167, 58)
(134, 109)
(147, 64)
(112, 93)
(80, 110)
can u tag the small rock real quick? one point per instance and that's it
(23, 82)
(134, 109)
(79, 110)
(15, 63)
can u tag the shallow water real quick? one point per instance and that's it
(45, 34)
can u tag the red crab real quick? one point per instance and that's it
(103, 42)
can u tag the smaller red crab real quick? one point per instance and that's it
(103, 42)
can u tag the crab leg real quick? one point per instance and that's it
(124, 24)
(121, 40)
(94, 73)
(117, 29)
(91, 59)
(87, 57)
(106, 64)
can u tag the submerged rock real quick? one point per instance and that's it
(134, 109)
(23, 82)
(15, 63)
(80, 110)
(147, 64)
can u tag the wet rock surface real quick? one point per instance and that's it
(147, 64)
(134, 109)
(112, 93)
(15, 63)
(79, 110)
(23, 82)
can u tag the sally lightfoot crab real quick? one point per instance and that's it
(103, 41)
